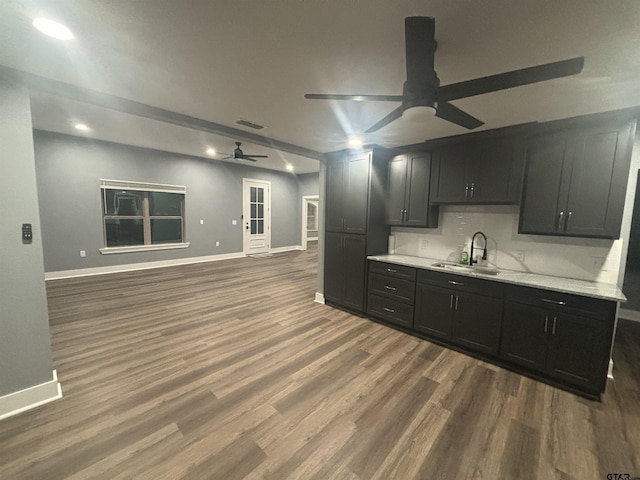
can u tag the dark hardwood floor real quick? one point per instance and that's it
(229, 370)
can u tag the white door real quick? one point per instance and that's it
(309, 219)
(256, 216)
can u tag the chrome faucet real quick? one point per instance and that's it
(484, 251)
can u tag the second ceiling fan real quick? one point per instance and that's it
(422, 88)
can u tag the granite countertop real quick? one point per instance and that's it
(605, 291)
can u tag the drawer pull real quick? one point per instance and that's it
(393, 289)
(391, 270)
(554, 302)
(456, 283)
(390, 310)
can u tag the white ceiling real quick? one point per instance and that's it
(220, 61)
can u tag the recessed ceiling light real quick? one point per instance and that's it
(211, 151)
(53, 29)
(355, 142)
(289, 167)
(81, 126)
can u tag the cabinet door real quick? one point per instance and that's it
(449, 181)
(353, 270)
(397, 189)
(524, 340)
(334, 196)
(433, 311)
(492, 174)
(356, 195)
(476, 322)
(333, 267)
(578, 350)
(539, 211)
(595, 196)
(417, 195)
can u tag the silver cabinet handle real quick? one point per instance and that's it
(554, 302)
(388, 310)
(473, 189)
(566, 225)
(457, 299)
(466, 191)
(393, 289)
(452, 282)
(451, 302)
(546, 323)
(553, 329)
(560, 217)
(391, 270)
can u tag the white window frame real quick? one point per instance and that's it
(106, 184)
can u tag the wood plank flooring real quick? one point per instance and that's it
(229, 370)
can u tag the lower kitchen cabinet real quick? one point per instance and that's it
(565, 337)
(458, 314)
(391, 293)
(345, 265)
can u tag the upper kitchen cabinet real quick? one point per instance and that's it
(575, 182)
(347, 194)
(487, 171)
(408, 192)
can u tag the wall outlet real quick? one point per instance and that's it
(424, 244)
(83, 253)
(597, 263)
(201, 222)
(217, 244)
(519, 254)
(234, 222)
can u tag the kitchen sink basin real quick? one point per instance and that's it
(484, 270)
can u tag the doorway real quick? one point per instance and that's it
(631, 283)
(309, 219)
(256, 216)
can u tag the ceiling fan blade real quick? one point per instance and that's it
(395, 114)
(248, 157)
(419, 33)
(256, 156)
(355, 98)
(453, 114)
(515, 78)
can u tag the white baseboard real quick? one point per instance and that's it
(32, 397)
(85, 272)
(319, 298)
(632, 315)
(290, 248)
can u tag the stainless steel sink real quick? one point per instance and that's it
(482, 269)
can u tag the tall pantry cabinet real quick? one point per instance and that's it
(355, 223)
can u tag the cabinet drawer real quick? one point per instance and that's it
(468, 284)
(393, 270)
(395, 288)
(390, 310)
(557, 300)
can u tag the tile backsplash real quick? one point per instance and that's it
(581, 258)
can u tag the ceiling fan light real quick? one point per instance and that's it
(52, 28)
(418, 114)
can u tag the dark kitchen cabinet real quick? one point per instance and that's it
(575, 182)
(355, 224)
(345, 259)
(391, 293)
(463, 310)
(347, 194)
(481, 171)
(408, 192)
(563, 336)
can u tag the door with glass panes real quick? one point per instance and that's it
(256, 216)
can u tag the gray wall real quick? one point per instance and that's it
(68, 172)
(25, 350)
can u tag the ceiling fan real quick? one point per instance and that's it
(238, 154)
(422, 88)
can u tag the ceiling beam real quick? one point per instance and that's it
(131, 107)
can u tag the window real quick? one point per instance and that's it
(142, 216)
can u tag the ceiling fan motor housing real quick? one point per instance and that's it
(422, 81)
